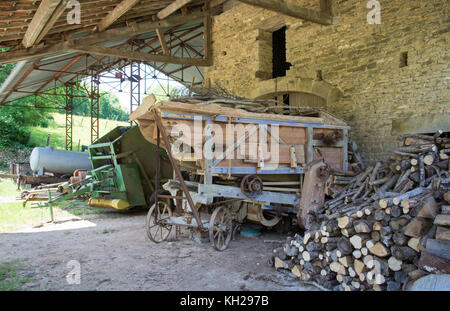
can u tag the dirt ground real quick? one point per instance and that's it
(115, 254)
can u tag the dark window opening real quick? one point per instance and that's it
(283, 98)
(279, 64)
(286, 99)
(319, 75)
(404, 60)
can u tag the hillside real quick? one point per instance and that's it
(81, 131)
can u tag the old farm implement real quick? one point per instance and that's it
(234, 175)
(123, 164)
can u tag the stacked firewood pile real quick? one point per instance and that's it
(386, 226)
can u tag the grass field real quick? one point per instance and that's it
(14, 216)
(9, 277)
(81, 128)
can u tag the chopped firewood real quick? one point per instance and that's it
(434, 264)
(363, 226)
(395, 264)
(280, 264)
(297, 271)
(358, 240)
(379, 250)
(400, 239)
(346, 261)
(403, 253)
(416, 274)
(440, 248)
(429, 209)
(417, 227)
(414, 243)
(443, 233)
(442, 220)
(359, 266)
(338, 268)
(344, 222)
(364, 251)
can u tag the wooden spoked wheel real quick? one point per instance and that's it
(220, 228)
(158, 228)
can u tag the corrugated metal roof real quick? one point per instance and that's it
(32, 76)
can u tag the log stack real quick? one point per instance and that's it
(387, 226)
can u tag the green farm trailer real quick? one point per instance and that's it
(123, 165)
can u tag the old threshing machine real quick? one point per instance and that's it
(238, 164)
(123, 168)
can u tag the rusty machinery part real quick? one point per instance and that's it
(265, 217)
(220, 228)
(157, 226)
(251, 186)
(313, 193)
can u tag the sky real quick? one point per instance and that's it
(112, 85)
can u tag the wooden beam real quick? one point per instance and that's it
(293, 10)
(162, 40)
(108, 35)
(118, 11)
(55, 16)
(326, 7)
(171, 8)
(139, 56)
(38, 24)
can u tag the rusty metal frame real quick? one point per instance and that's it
(69, 116)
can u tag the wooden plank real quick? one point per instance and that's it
(139, 56)
(55, 16)
(345, 150)
(39, 21)
(216, 110)
(118, 11)
(293, 10)
(434, 264)
(440, 248)
(162, 40)
(171, 8)
(207, 43)
(443, 233)
(442, 220)
(310, 144)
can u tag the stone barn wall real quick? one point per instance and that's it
(355, 66)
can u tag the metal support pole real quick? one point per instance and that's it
(95, 107)
(135, 86)
(69, 116)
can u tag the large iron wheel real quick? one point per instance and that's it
(220, 228)
(251, 186)
(158, 229)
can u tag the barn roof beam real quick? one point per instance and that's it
(172, 8)
(322, 17)
(95, 38)
(115, 14)
(43, 20)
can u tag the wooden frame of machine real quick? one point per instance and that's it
(235, 187)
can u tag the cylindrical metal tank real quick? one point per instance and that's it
(59, 161)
